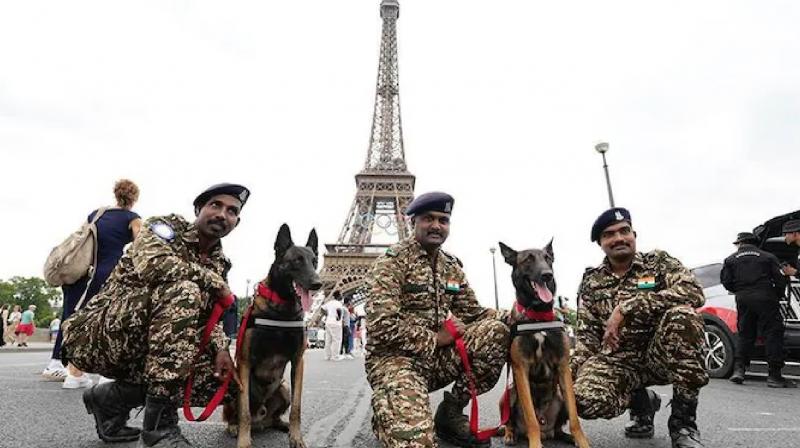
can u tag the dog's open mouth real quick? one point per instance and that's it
(544, 293)
(305, 296)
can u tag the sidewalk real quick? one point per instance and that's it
(32, 347)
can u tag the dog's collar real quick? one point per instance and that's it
(258, 322)
(536, 316)
(264, 291)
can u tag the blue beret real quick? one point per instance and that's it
(238, 191)
(791, 226)
(607, 218)
(434, 201)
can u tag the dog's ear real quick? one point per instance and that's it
(312, 241)
(509, 254)
(549, 249)
(284, 240)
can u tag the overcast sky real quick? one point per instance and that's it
(502, 103)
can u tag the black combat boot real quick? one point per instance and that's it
(682, 427)
(775, 379)
(160, 426)
(738, 372)
(111, 403)
(453, 427)
(644, 405)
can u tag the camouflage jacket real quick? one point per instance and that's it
(165, 251)
(410, 297)
(655, 283)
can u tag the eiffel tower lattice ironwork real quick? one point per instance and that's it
(384, 186)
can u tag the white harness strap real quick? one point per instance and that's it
(538, 326)
(279, 323)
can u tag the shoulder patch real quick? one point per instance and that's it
(163, 230)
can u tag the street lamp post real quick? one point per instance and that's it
(247, 289)
(494, 271)
(602, 148)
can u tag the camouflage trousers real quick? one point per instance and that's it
(147, 339)
(402, 415)
(674, 356)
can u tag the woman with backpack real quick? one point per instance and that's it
(116, 227)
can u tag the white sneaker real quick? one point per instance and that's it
(349, 356)
(76, 382)
(54, 371)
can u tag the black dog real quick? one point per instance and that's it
(543, 399)
(275, 336)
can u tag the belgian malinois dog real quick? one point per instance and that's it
(275, 336)
(543, 399)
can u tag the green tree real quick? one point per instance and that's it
(25, 291)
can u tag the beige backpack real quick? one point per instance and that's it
(75, 257)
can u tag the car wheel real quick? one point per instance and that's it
(717, 352)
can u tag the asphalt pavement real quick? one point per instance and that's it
(336, 412)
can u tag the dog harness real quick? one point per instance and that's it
(260, 322)
(538, 321)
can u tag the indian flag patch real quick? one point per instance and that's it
(646, 282)
(452, 286)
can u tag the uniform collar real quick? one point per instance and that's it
(637, 263)
(191, 235)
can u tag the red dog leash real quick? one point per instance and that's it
(480, 434)
(220, 306)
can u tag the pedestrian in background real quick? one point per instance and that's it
(13, 320)
(346, 346)
(26, 327)
(55, 324)
(332, 310)
(3, 320)
(116, 227)
(755, 277)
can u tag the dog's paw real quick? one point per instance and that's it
(509, 439)
(232, 430)
(244, 442)
(296, 441)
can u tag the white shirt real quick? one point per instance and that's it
(332, 316)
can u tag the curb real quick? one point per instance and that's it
(25, 349)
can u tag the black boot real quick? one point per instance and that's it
(738, 372)
(776, 380)
(453, 427)
(160, 426)
(682, 427)
(111, 403)
(644, 405)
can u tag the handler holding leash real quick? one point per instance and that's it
(637, 327)
(144, 327)
(413, 288)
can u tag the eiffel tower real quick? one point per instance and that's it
(384, 187)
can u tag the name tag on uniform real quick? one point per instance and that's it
(646, 282)
(452, 286)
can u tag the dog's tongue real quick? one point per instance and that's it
(543, 292)
(305, 297)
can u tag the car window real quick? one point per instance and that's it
(708, 275)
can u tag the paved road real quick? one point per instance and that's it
(336, 413)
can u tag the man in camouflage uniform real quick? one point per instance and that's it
(143, 328)
(413, 289)
(637, 327)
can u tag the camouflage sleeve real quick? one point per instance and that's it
(384, 319)
(157, 262)
(218, 341)
(680, 288)
(466, 306)
(588, 334)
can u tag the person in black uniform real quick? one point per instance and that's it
(755, 277)
(791, 234)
